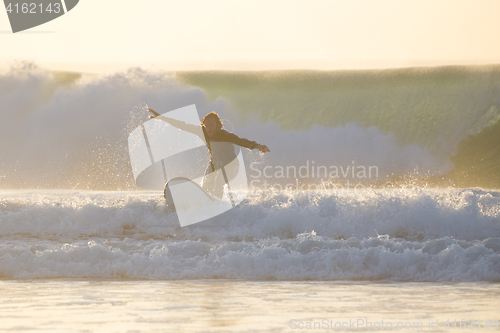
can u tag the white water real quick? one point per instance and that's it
(380, 234)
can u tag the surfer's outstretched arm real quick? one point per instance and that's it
(230, 137)
(222, 135)
(263, 149)
(196, 130)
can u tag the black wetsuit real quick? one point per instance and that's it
(221, 149)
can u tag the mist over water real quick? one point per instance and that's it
(73, 133)
(69, 130)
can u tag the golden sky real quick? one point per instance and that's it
(100, 35)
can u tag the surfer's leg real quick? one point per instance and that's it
(207, 182)
(213, 183)
(232, 170)
(219, 186)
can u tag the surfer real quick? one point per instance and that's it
(220, 147)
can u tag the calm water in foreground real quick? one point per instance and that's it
(65, 305)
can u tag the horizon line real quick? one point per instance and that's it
(112, 67)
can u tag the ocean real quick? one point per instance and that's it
(379, 203)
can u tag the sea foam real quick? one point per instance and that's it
(381, 234)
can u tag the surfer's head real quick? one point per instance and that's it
(212, 123)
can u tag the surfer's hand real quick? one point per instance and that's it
(263, 149)
(154, 113)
